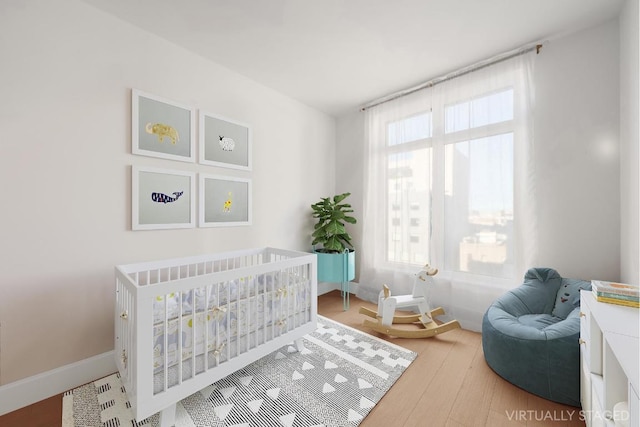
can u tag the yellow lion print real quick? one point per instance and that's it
(162, 130)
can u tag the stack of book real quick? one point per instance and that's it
(616, 293)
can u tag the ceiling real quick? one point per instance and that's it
(336, 55)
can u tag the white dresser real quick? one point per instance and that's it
(609, 362)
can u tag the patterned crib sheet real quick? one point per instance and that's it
(217, 294)
(263, 301)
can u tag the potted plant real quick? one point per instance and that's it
(336, 256)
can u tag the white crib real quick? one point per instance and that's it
(182, 324)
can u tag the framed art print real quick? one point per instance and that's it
(224, 201)
(162, 199)
(162, 128)
(225, 143)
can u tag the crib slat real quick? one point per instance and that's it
(237, 301)
(194, 335)
(180, 376)
(264, 326)
(166, 345)
(207, 292)
(228, 328)
(218, 320)
(254, 292)
(248, 305)
(271, 297)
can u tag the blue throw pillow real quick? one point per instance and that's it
(568, 297)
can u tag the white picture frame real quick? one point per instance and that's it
(224, 201)
(224, 142)
(162, 128)
(162, 198)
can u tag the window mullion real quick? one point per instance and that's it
(410, 146)
(437, 192)
(478, 132)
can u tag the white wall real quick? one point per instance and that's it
(65, 80)
(629, 135)
(577, 154)
(349, 176)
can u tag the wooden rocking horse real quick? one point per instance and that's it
(387, 304)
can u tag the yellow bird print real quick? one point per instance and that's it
(227, 203)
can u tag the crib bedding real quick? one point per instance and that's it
(184, 323)
(217, 355)
(262, 304)
(219, 294)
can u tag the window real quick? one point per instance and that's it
(449, 181)
(479, 206)
(408, 192)
(474, 142)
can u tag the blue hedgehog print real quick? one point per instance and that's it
(163, 198)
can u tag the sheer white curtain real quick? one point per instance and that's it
(450, 181)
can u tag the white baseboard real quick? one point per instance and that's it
(325, 287)
(33, 389)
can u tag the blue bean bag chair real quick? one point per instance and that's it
(530, 335)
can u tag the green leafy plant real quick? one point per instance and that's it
(329, 231)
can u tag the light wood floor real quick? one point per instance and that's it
(448, 385)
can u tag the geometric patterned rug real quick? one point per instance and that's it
(335, 381)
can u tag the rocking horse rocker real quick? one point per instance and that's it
(387, 305)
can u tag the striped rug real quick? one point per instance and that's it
(335, 381)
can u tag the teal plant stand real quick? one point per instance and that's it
(338, 268)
